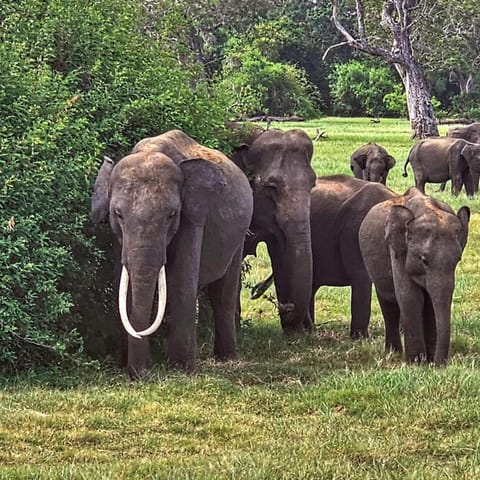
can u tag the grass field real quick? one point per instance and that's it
(320, 407)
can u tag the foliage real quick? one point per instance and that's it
(255, 81)
(79, 79)
(360, 89)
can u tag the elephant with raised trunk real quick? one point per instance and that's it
(371, 162)
(411, 246)
(277, 164)
(180, 212)
(439, 159)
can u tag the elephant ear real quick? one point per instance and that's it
(389, 162)
(466, 153)
(101, 191)
(463, 215)
(239, 156)
(360, 160)
(202, 181)
(396, 229)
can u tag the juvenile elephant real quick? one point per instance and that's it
(411, 245)
(180, 212)
(371, 162)
(277, 164)
(441, 158)
(339, 203)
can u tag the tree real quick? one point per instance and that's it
(399, 17)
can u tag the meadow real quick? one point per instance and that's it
(317, 407)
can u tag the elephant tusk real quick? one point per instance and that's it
(162, 302)
(122, 302)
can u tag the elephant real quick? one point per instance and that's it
(277, 164)
(471, 133)
(338, 205)
(371, 162)
(411, 245)
(180, 212)
(441, 158)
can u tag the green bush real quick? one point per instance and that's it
(358, 89)
(79, 79)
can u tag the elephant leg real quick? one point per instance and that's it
(411, 316)
(469, 183)
(475, 180)
(182, 272)
(360, 304)
(420, 180)
(391, 317)
(223, 296)
(457, 182)
(429, 328)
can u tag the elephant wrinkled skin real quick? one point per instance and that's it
(371, 162)
(277, 164)
(411, 245)
(175, 203)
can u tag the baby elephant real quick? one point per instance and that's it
(439, 159)
(411, 245)
(371, 162)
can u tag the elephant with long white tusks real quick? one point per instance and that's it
(180, 212)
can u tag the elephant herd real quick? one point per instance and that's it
(184, 216)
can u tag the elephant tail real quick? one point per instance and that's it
(405, 174)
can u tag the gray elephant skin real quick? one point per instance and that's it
(411, 245)
(439, 159)
(371, 162)
(176, 204)
(339, 203)
(277, 164)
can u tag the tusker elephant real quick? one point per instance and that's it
(441, 158)
(338, 205)
(180, 212)
(277, 164)
(411, 245)
(371, 162)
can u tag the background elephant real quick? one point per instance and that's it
(179, 210)
(441, 158)
(411, 245)
(471, 133)
(371, 162)
(277, 164)
(338, 205)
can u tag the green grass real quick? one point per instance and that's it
(289, 408)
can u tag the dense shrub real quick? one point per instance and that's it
(78, 79)
(359, 89)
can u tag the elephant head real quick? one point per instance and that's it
(277, 164)
(471, 153)
(371, 162)
(147, 195)
(411, 246)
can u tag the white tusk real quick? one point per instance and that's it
(162, 302)
(122, 304)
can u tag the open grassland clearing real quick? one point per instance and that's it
(289, 408)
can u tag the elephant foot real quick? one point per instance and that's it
(359, 334)
(137, 373)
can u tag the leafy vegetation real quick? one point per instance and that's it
(315, 407)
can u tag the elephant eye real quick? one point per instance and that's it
(423, 259)
(172, 214)
(118, 213)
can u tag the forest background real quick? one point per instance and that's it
(82, 79)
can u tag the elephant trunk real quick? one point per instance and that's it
(441, 293)
(143, 283)
(293, 280)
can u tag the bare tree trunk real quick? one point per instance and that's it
(396, 16)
